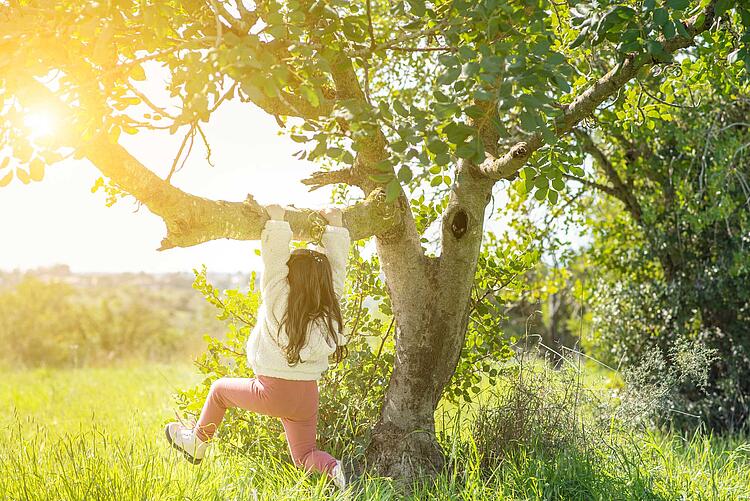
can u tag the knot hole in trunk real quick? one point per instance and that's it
(459, 223)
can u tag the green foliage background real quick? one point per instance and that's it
(50, 322)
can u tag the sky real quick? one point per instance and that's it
(60, 221)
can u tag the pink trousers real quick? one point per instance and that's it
(295, 402)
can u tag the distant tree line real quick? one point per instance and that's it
(57, 324)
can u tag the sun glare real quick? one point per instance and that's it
(40, 123)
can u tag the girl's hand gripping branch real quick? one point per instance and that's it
(275, 212)
(334, 216)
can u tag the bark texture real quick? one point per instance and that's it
(430, 297)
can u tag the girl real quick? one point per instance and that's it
(298, 327)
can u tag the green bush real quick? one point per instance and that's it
(674, 295)
(537, 408)
(47, 323)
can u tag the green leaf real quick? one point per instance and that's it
(733, 56)
(392, 190)
(23, 175)
(436, 146)
(442, 159)
(457, 132)
(474, 111)
(657, 51)
(580, 38)
(36, 169)
(465, 150)
(661, 16)
(5, 180)
(552, 196)
(681, 29)
(555, 58)
(384, 166)
(541, 182)
(669, 30)
(404, 174)
(576, 170)
(450, 76)
(561, 83)
(417, 7)
(399, 146)
(529, 120)
(678, 4)
(440, 96)
(528, 178)
(400, 109)
(310, 95)
(722, 6)
(137, 72)
(470, 69)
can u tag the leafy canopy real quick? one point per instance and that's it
(432, 77)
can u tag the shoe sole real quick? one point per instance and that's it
(191, 459)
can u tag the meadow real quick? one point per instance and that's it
(96, 433)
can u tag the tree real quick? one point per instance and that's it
(444, 98)
(675, 261)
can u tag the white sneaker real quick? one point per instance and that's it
(185, 440)
(339, 479)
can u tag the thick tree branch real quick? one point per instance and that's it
(190, 219)
(585, 104)
(619, 189)
(469, 194)
(325, 178)
(402, 257)
(289, 105)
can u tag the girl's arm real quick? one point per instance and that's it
(274, 250)
(336, 242)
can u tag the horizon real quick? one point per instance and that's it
(52, 269)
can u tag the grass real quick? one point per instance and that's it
(97, 434)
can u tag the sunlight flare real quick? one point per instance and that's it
(40, 124)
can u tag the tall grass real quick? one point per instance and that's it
(97, 434)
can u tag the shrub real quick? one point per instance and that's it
(678, 275)
(537, 408)
(58, 325)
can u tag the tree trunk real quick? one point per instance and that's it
(430, 297)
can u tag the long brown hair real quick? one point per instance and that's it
(311, 299)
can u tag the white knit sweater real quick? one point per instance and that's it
(264, 353)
